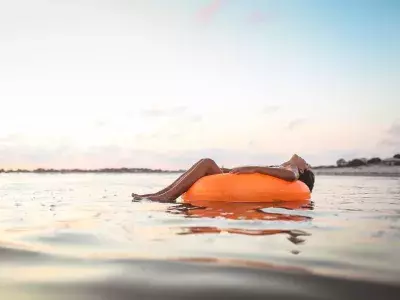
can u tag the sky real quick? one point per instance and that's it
(161, 84)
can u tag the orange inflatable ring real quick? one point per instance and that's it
(246, 188)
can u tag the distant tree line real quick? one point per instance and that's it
(104, 170)
(358, 162)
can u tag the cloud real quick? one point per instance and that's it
(392, 138)
(209, 11)
(61, 156)
(390, 142)
(100, 123)
(64, 156)
(223, 156)
(20, 155)
(330, 157)
(296, 122)
(270, 109)
(395, 129)
(11, 139)
(148, 135)
(164, 112)
(256, 17)
(195, 118)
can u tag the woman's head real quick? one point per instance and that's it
(299, 162)
(305, 173)
(307, 176)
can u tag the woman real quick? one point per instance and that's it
(294, 169)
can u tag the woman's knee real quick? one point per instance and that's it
(208, 161)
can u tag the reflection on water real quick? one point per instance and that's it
(51, 223)
(243, 211)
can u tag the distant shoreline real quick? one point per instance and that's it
(369, 170)
(372, 170)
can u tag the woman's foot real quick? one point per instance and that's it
(140, 197)
(160, 198)
(153, 197)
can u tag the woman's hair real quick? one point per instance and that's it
(308, 178)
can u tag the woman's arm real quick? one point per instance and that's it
(282, 173)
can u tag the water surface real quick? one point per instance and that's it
(63, 228)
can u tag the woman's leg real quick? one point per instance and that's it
(204, 168)
(139, 196)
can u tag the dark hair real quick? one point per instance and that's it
(308, 178)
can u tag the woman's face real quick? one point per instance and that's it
(299, 162)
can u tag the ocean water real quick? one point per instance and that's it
(80, 235)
